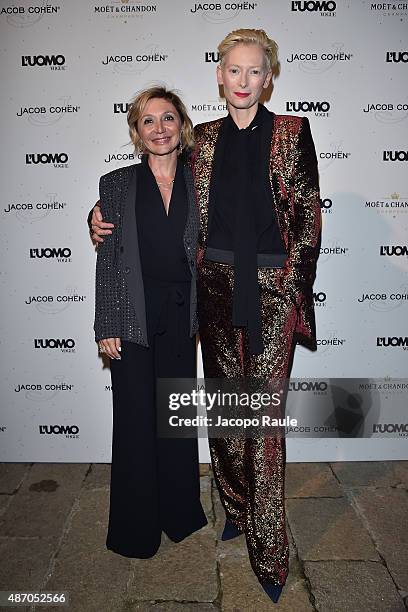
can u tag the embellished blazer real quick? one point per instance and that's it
(120, 310)
(294, 181)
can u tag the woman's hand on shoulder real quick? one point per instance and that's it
(110, 346)
(98, 227)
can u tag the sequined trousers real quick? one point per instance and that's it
(249, 472)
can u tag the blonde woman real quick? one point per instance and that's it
(145, 321)
(256, 179)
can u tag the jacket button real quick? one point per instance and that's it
(127, 270)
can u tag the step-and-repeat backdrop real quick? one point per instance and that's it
(68, 70)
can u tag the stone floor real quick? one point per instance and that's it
(347, 523)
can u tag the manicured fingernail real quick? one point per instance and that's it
(119, 349)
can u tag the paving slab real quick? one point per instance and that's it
(169, 606)
(11, 476)
(44, 500)
(386, 516)
(327, 528)
(371, 473)
(311, 480)
(98, 475)
(94, 577)
(352, 586)
(5, 500)
(24, 562)
(178, 572)
(205, 469)
(241, 591)
(206, 497)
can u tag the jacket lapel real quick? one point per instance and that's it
(129, 249)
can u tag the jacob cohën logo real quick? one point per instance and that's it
(58, 160)
(119, 157)
(319, 108)
(394, 249)
(395, 156)
(66, 345)
(325, 7)
(395, 57)
(54, 62)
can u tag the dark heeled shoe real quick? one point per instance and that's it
(230, 531)
(272, 589)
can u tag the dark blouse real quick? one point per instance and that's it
(242, 219)
(162, 252)
(241, 164)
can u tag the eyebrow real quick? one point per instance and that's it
(164, 113)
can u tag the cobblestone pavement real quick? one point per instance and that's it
(347, 523)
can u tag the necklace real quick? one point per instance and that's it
(165, 185)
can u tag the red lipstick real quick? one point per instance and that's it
(241, 94)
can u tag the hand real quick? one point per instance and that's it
(99, 228)
(110, 346)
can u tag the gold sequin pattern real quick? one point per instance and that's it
(250, 473)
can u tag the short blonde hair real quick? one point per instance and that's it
(248, 36)
(138, 105)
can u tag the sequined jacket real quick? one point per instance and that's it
(119, 294)
(294, 180)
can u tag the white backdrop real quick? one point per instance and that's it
(67, 71)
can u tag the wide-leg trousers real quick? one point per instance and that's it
(249, 472)
(154, 481)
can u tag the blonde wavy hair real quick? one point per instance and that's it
(247, 36)
(138, 105)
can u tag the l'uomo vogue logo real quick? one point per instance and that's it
(59, 253)
(54, 62)
(394, 249)
(400, 428)
(395, 57)
(326, 8)
(317, 386)
(212, 56)
(69, 431)
(395, 156)
(58, 160)
(326, 205)
(121, 107)
(319, 108)
(319, 299)
(393, 342)
(66, 345)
